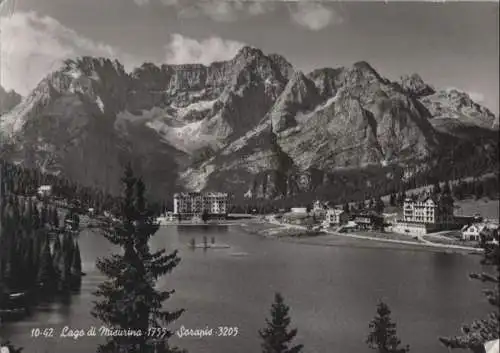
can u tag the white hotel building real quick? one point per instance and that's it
(426, 214)
(194, 204)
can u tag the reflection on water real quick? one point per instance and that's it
(332, 291)
(205, 228)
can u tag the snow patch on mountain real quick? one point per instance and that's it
(100, 104)
(74, 73)
(242, 141)
(196, 179)
(187, 138)
(13, 122)
(184, 136)
(197, 106)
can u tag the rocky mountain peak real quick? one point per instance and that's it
(249, 52)
(361, 74)
(364, 68)
(299, 86)
(286, 69)
(415, 86)
(90, 66)
(327, 80)
(299, 95)
(250, 115)
(455, 106)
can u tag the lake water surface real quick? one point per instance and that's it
(332, 292)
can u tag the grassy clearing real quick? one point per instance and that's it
(388, 235)
(450, 241)
(486, 208)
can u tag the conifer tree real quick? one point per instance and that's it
(57, 257)
(30, 260)
(379, 205)
(277, 336)
(76, 265)
(55, 218)
(46, 273)
(371, 204)
(68, 249)
(382, 337)
(44, 214)
(446, 188)
(36, 218)
(474, 336)
(129, 299)
(401, 197)
(392, 200)
(436, 190)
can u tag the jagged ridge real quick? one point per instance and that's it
(252, 124)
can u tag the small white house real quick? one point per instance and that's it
(473, 231)
(336, 217)
(319, 206)
(45, 190)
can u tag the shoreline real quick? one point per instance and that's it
(330, 238)
(198, 224)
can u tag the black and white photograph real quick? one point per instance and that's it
(249, 176)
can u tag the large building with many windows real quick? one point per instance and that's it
(196, 204)
(427, 214)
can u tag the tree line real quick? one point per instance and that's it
(22, 181)
(38, 252)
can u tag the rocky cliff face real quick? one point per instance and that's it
(252, 125)
(8, 100)
(452, 108)
(414, 86)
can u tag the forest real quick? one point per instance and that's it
(39, 252)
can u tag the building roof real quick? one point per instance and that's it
(203, 194)
(370, 214)
(479, 226)
(335, 211)
(422, 198)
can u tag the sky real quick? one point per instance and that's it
(449, 44)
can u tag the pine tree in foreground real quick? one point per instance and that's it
(129, 299)
(276, 336)
(481, 331)
(382, 337)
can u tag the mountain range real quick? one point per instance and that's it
(253, 125)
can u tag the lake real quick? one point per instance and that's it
(332, 292)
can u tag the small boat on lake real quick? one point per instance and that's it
(15, 306)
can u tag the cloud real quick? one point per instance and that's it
(216, 10)
(219, 10)
(33, 46)
(184, 50)
(170, 2)
(476, 96)
(314, 16)
(307, 13)
(141, 2)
